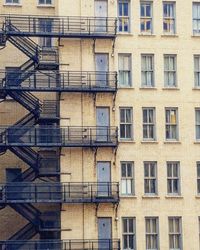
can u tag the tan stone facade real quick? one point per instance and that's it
(79, 109)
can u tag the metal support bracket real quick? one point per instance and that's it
(95, 156)
(96, 210)
(94, 45)
(59, 43)
(115, 155)
(113, 47)
(114, 100)
(94, 99)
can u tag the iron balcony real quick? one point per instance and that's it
(28, 192)
(59, 81)
(57, 136)
(105, 244)
(66, 27)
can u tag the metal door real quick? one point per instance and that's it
(101, 12)
(103, 123)
(45, 26)
(103, 179)
(101, 63)
(105, 233)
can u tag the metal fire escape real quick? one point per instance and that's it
(38, 137)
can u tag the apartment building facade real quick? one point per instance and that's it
(111, 133)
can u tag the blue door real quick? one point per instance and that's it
(101, 64)
(101, 12)
(103, 124)
(105, 233)
(103, 179)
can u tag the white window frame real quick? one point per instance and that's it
(170, 20)
(195, 19)
(128, 180)
(11, 3)
(149, 124)
(197, 124)
(147, 72)
(172, 179)
(170, 125)
(125, 19)
(170, 71)
(150, 181)
(198, 178)
(175, 234)
(125, 124)
(197, 71)
(125, 72)
(145, 19)
(128, 233)
(152, 234)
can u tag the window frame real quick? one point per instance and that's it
(132, 178)
(168, 72)
(197, 125)
(146, 71)
(150, 179)
(179, 234)
(198, 178)
(129, 233)
(13, 4)
(195, 19)
(124, 17)
(129, 55)
(168, 18)
(197, 72)
(170, 124)
(152, 234)
(146, 18)
(149, 124)
(126, 124)
(173, 178)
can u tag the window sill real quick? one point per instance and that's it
(124, 34)
(46, 6)
(151, 196)
(146, 34)
(174, 197)
(195, 36)
(171, 88)
(148, 88)
(149, 142)
(126, 141)
(128, 196)
(197, 196)
(169, 35)
(130, 87)
(197, 142)
(172, 142)
(196, 88)
(12, 5)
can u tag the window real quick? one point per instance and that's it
(173, 178)
(197, 115)
(170, 70)
(196, 18)
(12, 1)
(169, 25)
(149, 128)
(124, 22)
(198, 178)
(197, 70)
(48, 2)
(45, 26)
(152, 233)
(147, 71)
(175, 233)
(146, 17)
(171, 123)
(150, 178)
(124, 70)
(128, 233)
(126, 123)
(127, 178)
